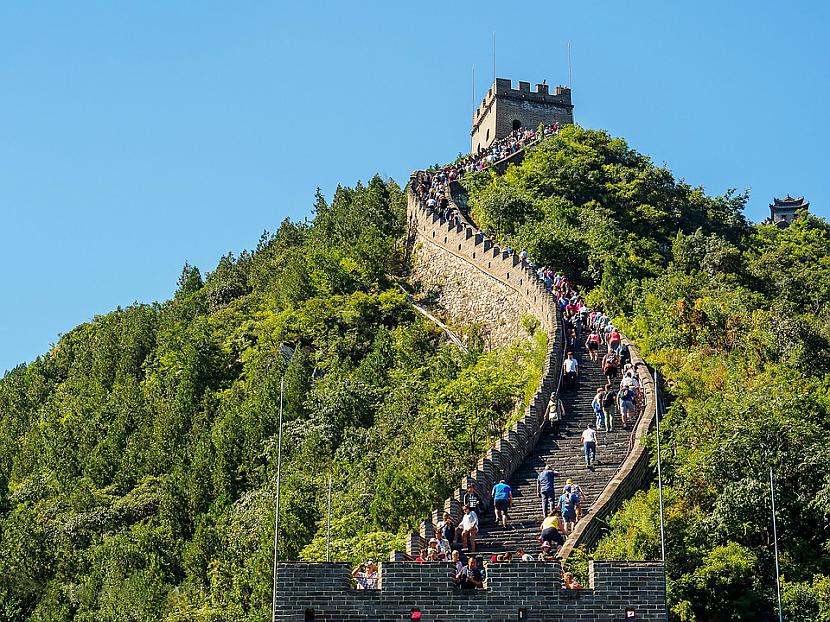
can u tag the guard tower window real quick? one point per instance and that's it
(516, 124)
(487, 137)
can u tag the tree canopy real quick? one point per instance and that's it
(138, 456)
(735, 318)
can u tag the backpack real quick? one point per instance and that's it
(611, 360)
(571, 499)
(608, 399)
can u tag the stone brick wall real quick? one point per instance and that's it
(468, 266)
(615, 588)
(534, 586)
(503, 104)
(634, 473)
(463, 292)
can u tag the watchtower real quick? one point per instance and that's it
(505, 109)
(782, 211)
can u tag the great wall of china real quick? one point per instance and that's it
(481, 283)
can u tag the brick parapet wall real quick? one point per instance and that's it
(480, 253)
(632, 475)
(464, 241)
(534, 586)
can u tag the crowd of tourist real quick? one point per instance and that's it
(431, 186)
(561, 508)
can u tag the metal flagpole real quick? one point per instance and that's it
(328, 525)
(775, 540)
(660, 489)
(277, 513)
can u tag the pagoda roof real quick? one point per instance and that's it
(790, 202)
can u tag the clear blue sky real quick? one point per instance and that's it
(135, 136)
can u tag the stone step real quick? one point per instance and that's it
(566, 455)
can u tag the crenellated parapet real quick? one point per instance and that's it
(479, 253)
(505, 109)
(459, 239)
(324, 591)
(561, 96)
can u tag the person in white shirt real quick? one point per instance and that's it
(570, 369)
(589, 444)
(469, 529)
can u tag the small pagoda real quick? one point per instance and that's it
(782, 211)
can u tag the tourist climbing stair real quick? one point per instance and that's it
(564, 452)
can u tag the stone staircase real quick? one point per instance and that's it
(566, 455)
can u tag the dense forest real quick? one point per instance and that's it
(736, 319)
(138, 456)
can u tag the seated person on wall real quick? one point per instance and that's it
(446, 528)
(523, 557)
(433, 550)
(569, 583)
(366, 576)
(470, 577)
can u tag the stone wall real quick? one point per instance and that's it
(634, 473)
(465, 293)
(450, 252)
(467, 264)
(493, 119)
(535, 587)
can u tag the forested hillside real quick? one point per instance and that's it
(736, 318)
(138, 457)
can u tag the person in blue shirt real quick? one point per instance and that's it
(567, 505)
(502, 500)
(546, 489)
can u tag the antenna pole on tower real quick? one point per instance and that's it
(494, 57)
(473, 98)
(570, 81)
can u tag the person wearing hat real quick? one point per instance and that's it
(567, 505)
(547, 554)
(552, 414)
(366, 576)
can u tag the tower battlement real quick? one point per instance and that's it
(505, 109)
